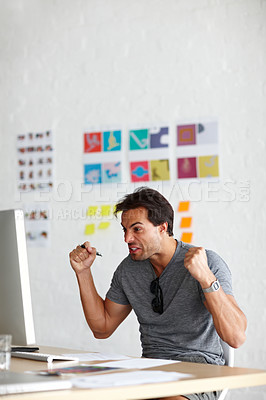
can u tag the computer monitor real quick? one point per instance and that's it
(16, 317)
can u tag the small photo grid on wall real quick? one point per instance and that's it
(35, 160)
(102, 157)
(149, 154)
(37, 224)
(197, 152)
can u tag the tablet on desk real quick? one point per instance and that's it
(14, 382)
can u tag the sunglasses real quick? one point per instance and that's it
(157, 302)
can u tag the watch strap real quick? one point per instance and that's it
(213, 288)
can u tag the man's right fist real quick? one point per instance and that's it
(81, 258)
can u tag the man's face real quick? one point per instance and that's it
(142, 237)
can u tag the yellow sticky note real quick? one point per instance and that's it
(186, 222)
(103, 225)
(89, 229)
(92, 210)
(105, 210)
(183, 206)
(186, 237)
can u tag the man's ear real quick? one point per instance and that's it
(163, 227)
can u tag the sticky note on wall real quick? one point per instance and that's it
(186, 237)
(183, 206)
(105, 210)
(92, 211)
(89, 229)
(186, 222)
(104, 225)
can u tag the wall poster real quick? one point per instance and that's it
(35, 161)
(197, 150)
(102, 157)
(149, 154)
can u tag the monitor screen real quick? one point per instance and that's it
(16, 316)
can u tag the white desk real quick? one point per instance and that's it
(205, 378)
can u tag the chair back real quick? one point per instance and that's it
(229, 356)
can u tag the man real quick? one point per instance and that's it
(181, 294)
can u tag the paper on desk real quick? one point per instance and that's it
(127, 378)
(138, 363)
(97, 356)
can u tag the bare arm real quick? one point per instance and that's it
(229, 321)
(102, 316)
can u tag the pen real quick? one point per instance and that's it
(97, 253)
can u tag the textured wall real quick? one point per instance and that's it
(71, 65)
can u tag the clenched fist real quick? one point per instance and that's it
(197, 264)
(82, 258)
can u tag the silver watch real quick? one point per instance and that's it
(213, 288)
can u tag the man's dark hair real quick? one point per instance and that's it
(159, 209)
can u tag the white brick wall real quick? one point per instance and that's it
(70, 65)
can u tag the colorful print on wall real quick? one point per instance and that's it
(35, 161)
(187, 167)
(140, 171)
(208, 166)
(197, 153)
(186, 135)
(102, 157)
(152, 164)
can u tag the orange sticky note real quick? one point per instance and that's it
(89, 229)
(186, 222)
(186, 237)
(183, 206)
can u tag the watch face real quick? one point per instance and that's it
(215, 285)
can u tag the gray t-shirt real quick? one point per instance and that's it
(185, 329)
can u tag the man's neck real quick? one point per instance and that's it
(160, 260)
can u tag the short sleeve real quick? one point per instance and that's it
(116, 292)
(221, 270)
